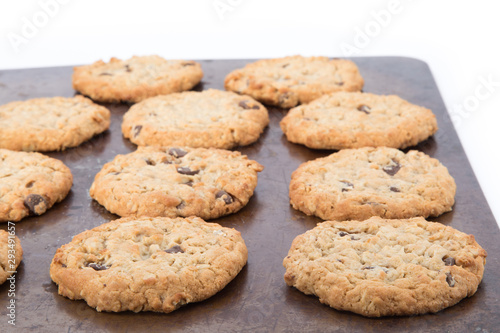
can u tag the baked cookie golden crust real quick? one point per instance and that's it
(353, 120)
(135, 79)
(208, 119)
(288, 81)
(47, 124)
(383, 267)
(148, 264)
(31, 184)
(11, 254)
(176, 181)
(355, 184)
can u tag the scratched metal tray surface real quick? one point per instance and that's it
(257, 300)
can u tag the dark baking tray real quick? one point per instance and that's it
(257, 299)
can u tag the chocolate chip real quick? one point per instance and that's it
(177, 152)
(190, 184)
(137, 130)
(391, 170)
(175, 249)
(394, 189)
(30, 184)
(63, 266)
(225, 196)
(103, 74)
(450, 280)
(128, 69)
(348, 186)
(246, 106)
(343, 233)
(36, 204)
(187, 171)
(181, 205)
(449, 261)
(149, 162)
(284, 97)
(364, 108)
(97, 267)
(354, 238)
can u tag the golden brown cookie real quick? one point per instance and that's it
(383, 267)
(355, 184)
(11, 253)
(46, 124)
(175, 181)
(31, 184)
(208, 119)
(148, 264)
(353, 120)
(288, 81)
(135, 79)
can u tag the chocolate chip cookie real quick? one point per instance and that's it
(31, 184)
(135, 79)
(359, 183)
(46, 124)
(352, 120)
(383, 267)
(176, 181)
(148, 264)
(286, 82)
(11, 254)
(211, 118)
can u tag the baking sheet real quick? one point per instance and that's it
(258, 299)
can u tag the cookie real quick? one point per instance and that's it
(148, 264)
(31, 184)
(135, 79)
(286, 82)
(11, 254)
(353, 120)
(47, 124)
(383, 267)
(355, 184)
(211, 118)
(174, 181)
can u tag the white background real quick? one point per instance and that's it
(458, 39)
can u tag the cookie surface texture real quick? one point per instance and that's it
(11, 254)
(354, 120)
(175, 181)
(208, 119)
(148, 264)
(31, 184)
(135, 79)
(289, 81)
(355, 184)
(48, 124)
(383, 267)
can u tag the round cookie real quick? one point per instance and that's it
(9, 245)
(173, 181)
(288, 81)
(355, 184)
(135, 79)
(353, 120)
(383, 267)
(148, 264)
(47, 124)
(211, 118)
(31, 184)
